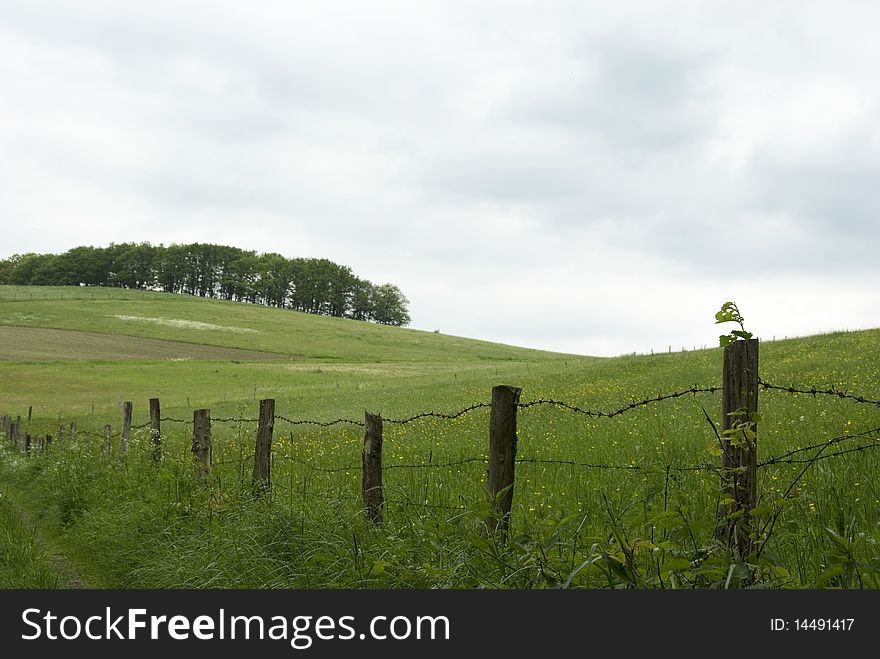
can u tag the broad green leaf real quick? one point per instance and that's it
(676, 564)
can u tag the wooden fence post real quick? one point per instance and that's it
(156, 429)
(502, 455)
(126, 428)
(263, 450)
(73, 432)
(16, 433)
(46, 443)
(106, 447)
(27, 443)
(374, 497)
(739, 405)
(201, 444)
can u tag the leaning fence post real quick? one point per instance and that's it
(201, 444)
(739, 407)
(126, 428)
(105, 450)
(263, 449)
(156, 429)
(374, 497)
(502, 455)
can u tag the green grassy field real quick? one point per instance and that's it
(598, 502)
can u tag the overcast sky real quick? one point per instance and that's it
(588, 177)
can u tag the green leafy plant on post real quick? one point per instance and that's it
(730, 313)
(742, 430)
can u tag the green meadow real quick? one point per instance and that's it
(628, 501)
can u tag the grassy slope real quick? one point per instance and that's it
(349, 367)
(312, 354)
(245, 326)
(37, 344)
(837, 493)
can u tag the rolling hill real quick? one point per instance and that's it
(68, 358)
(202, 321)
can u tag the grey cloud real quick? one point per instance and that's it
(497, 160)
(632, 95)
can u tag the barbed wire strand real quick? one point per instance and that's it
(325, 424)
(825, 456)
(438, 415)
(815, 391)
(621, 410)
(830, 442)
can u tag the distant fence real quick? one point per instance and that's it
(737, 438)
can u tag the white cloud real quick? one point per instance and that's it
(583, 176)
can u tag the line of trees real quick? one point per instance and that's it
(311, 285)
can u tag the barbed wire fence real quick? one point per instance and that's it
(11, 428)
(502, 445)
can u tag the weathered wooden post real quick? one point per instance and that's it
(739, 458)
(201, 444)
(374, 497)
(105, 450)
(502, 455)
(263, 450)
(126, 428)
(156, 429)
(27, 443)
(73, 432)
(46, 443)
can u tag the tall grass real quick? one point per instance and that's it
(624, 515)
(25, 561)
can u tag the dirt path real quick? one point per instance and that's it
(69, 577)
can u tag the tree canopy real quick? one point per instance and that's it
(311, 285)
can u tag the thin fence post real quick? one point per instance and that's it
(374, 497)
(502, 455)
(156, 429)
(739, 407)
(16, 432)
(262, 482)
(201, 444)
(47, 442)
(126, 428)
(73, 432)
(27, 443)
(105, 449)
